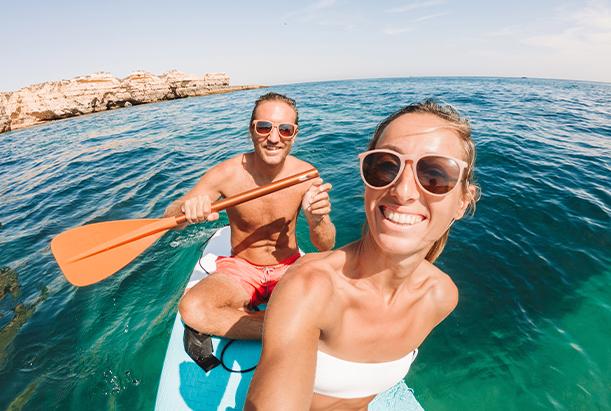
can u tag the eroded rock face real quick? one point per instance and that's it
(4, 120)
(54, 100)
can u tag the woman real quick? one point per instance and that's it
(345, 325)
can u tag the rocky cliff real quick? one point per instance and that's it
(54, 100)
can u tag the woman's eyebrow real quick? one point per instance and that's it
(391, 147)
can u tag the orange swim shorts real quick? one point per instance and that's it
(258, 280)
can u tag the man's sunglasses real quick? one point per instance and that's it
(436, 174)
(263, 128)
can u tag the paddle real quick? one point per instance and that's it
(91, 253)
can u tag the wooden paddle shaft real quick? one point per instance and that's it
(258, 192)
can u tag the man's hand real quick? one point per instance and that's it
(198, 209)
(315, 203)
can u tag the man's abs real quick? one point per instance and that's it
(266, 245)
(263, 230)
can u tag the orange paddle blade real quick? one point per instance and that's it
(86, 254)
(93, 252)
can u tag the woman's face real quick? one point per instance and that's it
(403, 218)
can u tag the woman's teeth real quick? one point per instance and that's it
(402, 218)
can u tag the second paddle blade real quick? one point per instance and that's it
(71, 248)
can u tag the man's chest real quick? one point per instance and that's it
(281, 206)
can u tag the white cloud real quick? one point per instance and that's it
(504, 32)
(430, 16)
(596, 15)
(322, 4)
(310, 11)
(321, 13)
(415, 6)
(586, 29)
(392, 31)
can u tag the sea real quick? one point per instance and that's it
(532, 330)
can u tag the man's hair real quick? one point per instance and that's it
(271, 96)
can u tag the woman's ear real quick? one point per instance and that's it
(469, 198)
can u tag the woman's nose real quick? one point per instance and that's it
(406, 188)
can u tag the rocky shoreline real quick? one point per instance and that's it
(53, 100)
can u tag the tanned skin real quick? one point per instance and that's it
(372, 301)
(262, 230)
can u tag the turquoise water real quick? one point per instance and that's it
(531, 331)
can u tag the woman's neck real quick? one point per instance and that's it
(386, 272)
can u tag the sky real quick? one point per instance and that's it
(280, 42)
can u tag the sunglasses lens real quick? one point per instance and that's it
(263, 127)
(380, 169)
(286, 130)
(438, 175)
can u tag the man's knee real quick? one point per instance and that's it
(202, 308)
(195, 311)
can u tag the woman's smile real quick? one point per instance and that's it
(401, 217)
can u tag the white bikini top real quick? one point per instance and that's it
(347, 379)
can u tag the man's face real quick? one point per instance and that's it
(273, 148)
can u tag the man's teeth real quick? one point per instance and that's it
(401, 218)
(272, 148)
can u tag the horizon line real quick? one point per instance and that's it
(368, 78)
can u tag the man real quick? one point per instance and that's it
(263, 237)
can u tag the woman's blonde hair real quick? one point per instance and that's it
(463, 129)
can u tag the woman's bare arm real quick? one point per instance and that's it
(284, 378)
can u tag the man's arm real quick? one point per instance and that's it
(322, 233)
(316, 207)
(196, 204)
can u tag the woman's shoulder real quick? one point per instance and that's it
(305, 293)
(313, 276)
(315, 270)
(441, 292)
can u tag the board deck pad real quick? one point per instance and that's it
(185, 386)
